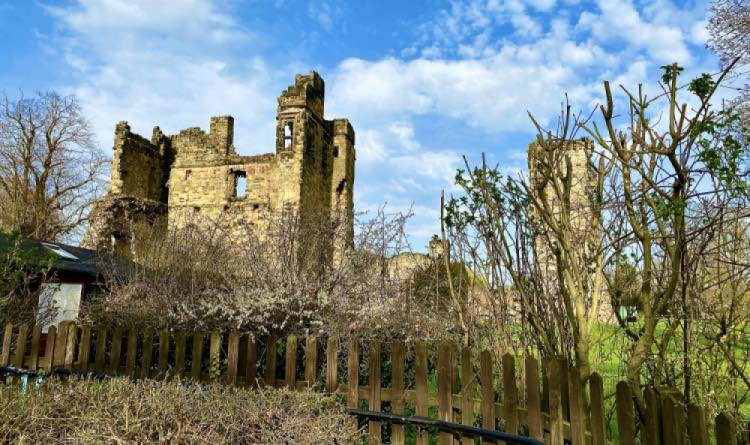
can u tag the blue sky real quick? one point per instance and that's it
(423, 82)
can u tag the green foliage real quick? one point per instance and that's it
(671, 72)
(702, 86)
(21, 270)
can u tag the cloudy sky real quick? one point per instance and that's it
(423, 82)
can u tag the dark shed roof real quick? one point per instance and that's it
(64, 258)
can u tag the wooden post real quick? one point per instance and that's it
(131, 353)
(49, 349)
(332, 364)
(61, 338)
(555, 375)
(488, 391)
(625, 414)
(311, 360)
(445, 393)
(148, 348)
(510, 395)
(101, 347)
(533, 399)
(197, 358)
(398, 353)
(252, 362)
(114, 357)
(7, 337)
(726, 432)
(233, 357)
(269, 376)
(596, 390)
(23, 333)
(161, 366)
(375, 365)
(290, 364)
(180, 346)
(467, 393)
(672, 419)
(352, 378)
(697, 429)
(84, 349)
(70, 346)
(577, 413)
(420, 386)
(36, 334)
(214, 357)
(651, 429)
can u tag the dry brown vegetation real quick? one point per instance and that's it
(120, 411)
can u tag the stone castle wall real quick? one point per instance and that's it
(193, 176)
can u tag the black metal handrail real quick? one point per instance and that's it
(448, 427)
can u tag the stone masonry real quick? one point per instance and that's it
(175, 180)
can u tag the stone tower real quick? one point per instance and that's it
(195, 177)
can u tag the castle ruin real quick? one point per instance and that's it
(175, 180)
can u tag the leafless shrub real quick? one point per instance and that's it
(120, 411)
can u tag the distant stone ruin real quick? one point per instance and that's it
(175, 180)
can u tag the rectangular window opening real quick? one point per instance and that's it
(288, 131)
(240, 184)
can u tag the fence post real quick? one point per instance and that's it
(251, 367)
(7, 336)
(510, 395)
(290, 363)
(467, 389)
(420, 385)
(398, 352)
(625, 414)
(375, 362)
(70, 346)
(672, 419)
(84, 349)
(23, 332)
(61, 337)
(596, 390)
(161, 366)
(101, 346)
(311, 360)
(697, 430)
(726, 432)
(488, 391)
(180, 346)
(233, 357)
(214, 357)
(555, 377)
(533, 399)
(269, 375)
(332, 364)
(445, 394)
(577, 413)
(652, 426)
(36, 334)
(352, 378)
(148, 347)
(114, 357)
(197, 357)
(132, 349)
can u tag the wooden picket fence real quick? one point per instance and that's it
(545, 402)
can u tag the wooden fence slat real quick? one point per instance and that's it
(596, 391)
(672, 419)
(420, 386)
(311, 360)
(197, 357)
(70, 346)
(533, 399)
(114, 357)
(214, 357)
(7, 336)
(625, 414)
(163, 360)
(697, 429)
(555, 375)
(131, 353)
(148, 349)
(49, 348)
(510, 395)
(332, 364)
(290, 363)
(233, 357)
(180, 346)
(61, 338)
(577, 413)
(488, 391)
(726, 431)
(23, 333)
(374, 381)
(651, 429)
(565, 392)
(269, 375)
(398, 354)
(352, 383)
(101, 346)
(445, 393)
(84, 349)
(36, 335)
(252, 362)
(467, 393)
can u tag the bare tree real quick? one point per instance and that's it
(729, 28)
(50, 168)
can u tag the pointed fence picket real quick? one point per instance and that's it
(546, 402)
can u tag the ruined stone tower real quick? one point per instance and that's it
(193, 176)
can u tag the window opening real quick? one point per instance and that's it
(240, 184)
(335, 151)
(288, 130)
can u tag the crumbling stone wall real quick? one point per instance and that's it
(193, 176)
